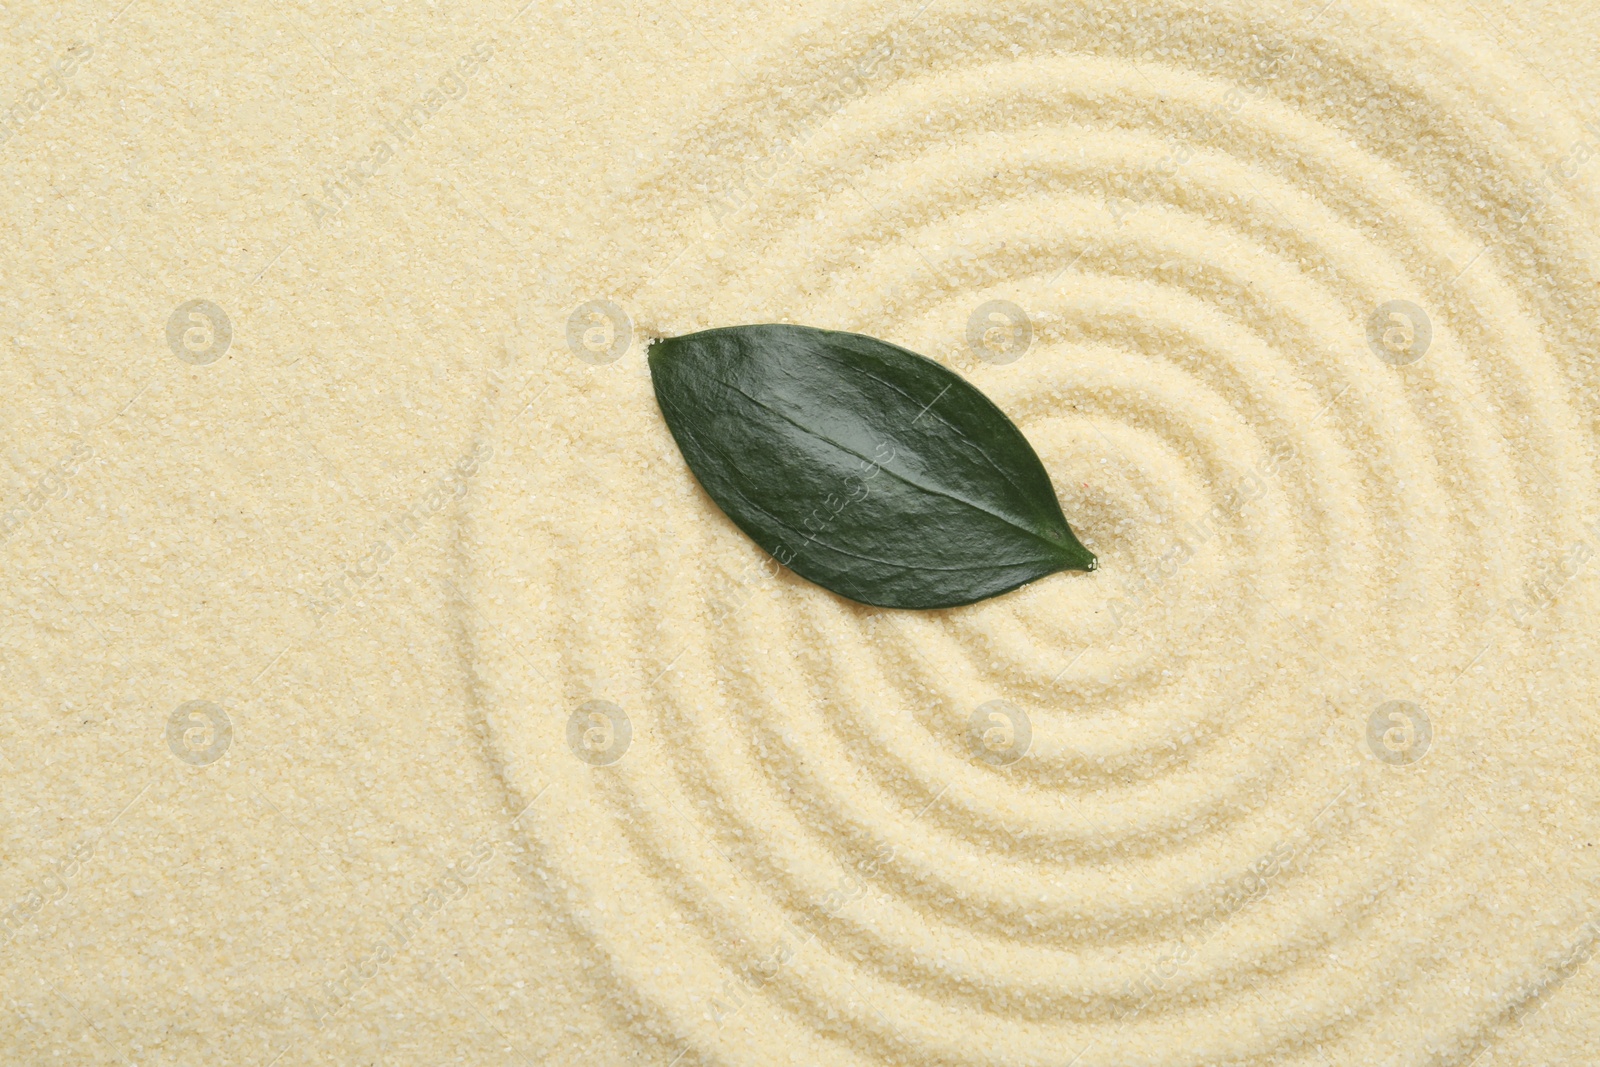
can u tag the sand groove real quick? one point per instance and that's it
(1199, 861)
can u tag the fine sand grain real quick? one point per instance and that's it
(379, 686)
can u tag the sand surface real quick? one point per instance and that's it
(378, 687)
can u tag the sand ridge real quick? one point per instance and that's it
(378, 686)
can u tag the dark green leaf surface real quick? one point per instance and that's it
(866, 468)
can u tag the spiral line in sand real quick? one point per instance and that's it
(1320, 413)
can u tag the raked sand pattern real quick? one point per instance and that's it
(378, 687)
(1299, 310)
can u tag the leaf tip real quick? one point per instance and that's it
(1079, 558)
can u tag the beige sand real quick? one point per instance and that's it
(380, 688)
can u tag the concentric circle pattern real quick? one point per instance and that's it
(1310, 301)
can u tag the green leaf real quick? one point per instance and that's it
(866, 468)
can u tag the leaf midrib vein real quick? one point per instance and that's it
(893, 474)
(1001, 471)
(830, 546)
